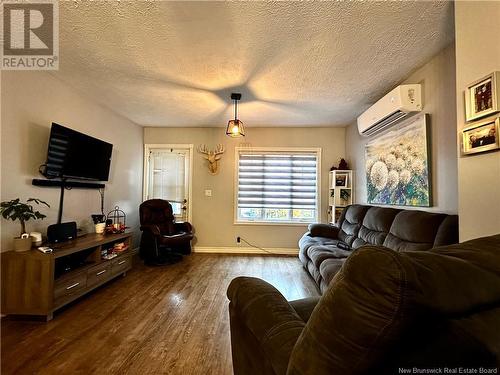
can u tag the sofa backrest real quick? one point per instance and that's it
(397, 229)
(447, 232)
(375, 227)
(350, 222)
(414, 230)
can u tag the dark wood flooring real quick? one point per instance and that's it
(166, 320)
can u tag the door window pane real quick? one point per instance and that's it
(168, 178)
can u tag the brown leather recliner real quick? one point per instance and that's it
(386, 312)
(163, 240)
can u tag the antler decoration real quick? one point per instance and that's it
(212, 157)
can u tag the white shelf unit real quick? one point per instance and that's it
(340, 193)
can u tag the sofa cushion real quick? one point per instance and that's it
(376, 224)
(314, 272)
(330, 267)
(413, 230)
(318, 254)
(307, 241)
(350, 222)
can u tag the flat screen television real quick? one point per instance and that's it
(75, 155)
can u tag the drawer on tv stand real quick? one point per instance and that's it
(68, 286)
(121, 264)
(98, 274)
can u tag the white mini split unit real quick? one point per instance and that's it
(400, 103)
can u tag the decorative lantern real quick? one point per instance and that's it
(235, 127)
(116, 220)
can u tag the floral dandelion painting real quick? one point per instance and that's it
(397, 166)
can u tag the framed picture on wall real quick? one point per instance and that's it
(482, 97)
(398, 163)
(341, 180)
(482, 136)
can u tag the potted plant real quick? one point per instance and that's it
(17, 210)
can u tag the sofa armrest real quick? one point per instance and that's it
(153, 229)
(264, 327)
(324, 230)
(183, 226)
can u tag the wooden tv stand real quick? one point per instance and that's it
(34, 283)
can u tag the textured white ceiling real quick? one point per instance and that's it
(314, 63)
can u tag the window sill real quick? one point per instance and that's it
(285, 223)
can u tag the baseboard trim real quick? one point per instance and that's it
(245, 250)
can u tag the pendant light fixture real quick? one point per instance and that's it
(235, 127)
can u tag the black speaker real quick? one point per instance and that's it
(61, 232)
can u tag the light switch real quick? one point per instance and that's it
(208, 193)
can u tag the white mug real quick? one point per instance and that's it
(36, 237)
(99, 227)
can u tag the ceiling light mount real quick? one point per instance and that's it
(235, 127)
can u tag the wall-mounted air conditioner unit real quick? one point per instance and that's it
(402, 102)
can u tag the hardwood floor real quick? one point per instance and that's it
(165, 320)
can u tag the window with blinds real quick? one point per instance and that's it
(277, 186)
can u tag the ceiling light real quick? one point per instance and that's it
(235, 127)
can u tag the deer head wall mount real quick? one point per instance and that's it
(212, 157)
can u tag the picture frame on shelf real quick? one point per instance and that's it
(482, 97)
(481, 136)
(341, 180)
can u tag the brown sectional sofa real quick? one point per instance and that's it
(385, 311)
(324, 249)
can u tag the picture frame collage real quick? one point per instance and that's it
(482, 113)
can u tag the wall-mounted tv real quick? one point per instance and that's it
(75, 155)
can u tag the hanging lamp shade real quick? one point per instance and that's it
(235, 127)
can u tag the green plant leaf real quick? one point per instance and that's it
(7, 211)
(39, 215)
(16, 210)
(38, 201)
(29, 215)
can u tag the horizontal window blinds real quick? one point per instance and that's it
(280, 181)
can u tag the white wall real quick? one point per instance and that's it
(438, 80)
(30, 102)
(213, 216)
(477, 32)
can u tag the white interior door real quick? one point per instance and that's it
(168, 177)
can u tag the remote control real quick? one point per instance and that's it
(45, 249)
